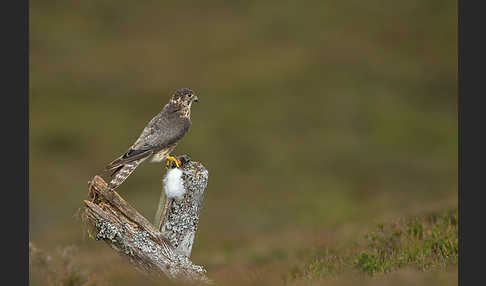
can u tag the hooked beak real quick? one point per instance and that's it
(196, 99)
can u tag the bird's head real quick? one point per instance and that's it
(184, 97)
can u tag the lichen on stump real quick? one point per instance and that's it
(180, 217)
(111, 219)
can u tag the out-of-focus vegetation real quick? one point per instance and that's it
(60, 269)
(419, 243)
(316, 120)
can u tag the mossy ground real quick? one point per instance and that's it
(425, 243)
(428, 243)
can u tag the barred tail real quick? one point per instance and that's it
(123, 172)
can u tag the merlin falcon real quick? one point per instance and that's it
(158, 138)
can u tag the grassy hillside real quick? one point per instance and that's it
(316, 120)
(422, 247)
(421, 243)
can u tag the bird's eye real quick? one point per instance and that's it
(190, 95)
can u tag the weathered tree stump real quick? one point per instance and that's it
(161, 250)
(177, 219)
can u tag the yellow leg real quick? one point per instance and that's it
(174, 159)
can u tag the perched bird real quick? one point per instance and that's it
(158, 138)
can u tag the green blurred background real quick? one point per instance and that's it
(316, 119)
